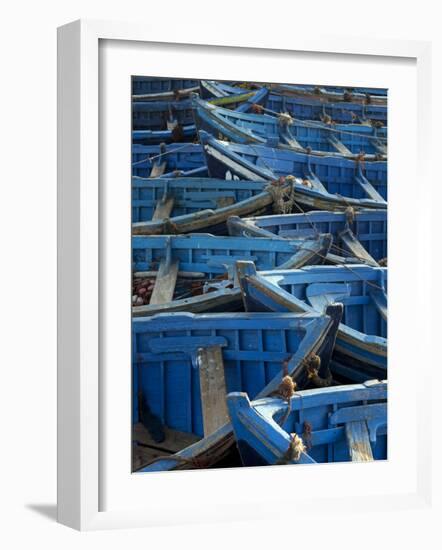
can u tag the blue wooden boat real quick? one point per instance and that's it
(361, 343)
(334, 424)
(168, 161)
(357, 235)
(359, 92)
(313, 107)
(217, 89)
(177, 134)
(320, 183)
(248, 353)
(173, 122)
(332, 96)
(346, 140)
(194, 272)
(161, 115)
(185, 205)
(146, 88)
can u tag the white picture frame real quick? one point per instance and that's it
(81, 396)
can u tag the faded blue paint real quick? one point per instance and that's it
(318, 416)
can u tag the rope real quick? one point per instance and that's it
(350, 215)
(285, 118)
(169, 228)
(293, 453)
(312, 365)
(146, 159)
(258, 109)
(307, 434)
(283, 196)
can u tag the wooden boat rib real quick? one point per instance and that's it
(320, 183)
(361, 343)
(184, 205)
(167, 259)
(169, 371)
(303, 136)
(360, 235)
(335, 424)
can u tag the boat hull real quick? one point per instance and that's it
(323, 418)
(254, 351)
(361, 342)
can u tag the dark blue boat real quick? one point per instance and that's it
(361, 344)
(334, 424)
(172, 160)
(320, 183)
(248, 353)
(357, 236)
(347, 140)
(194, 272)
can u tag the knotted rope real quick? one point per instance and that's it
(283, 196)
(257, 109)
(293, 453)
(285, 119)
(312, 365)
(350, 215)
(169, 228)
(307, 434)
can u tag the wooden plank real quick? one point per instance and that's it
(380, 301)
(184, 274)
(213, 388)
(380, 146)
(353, 244)
(339, 146)
(163, 208)
(174, 440)
(165, 282)
(145, 449)
(358, 441)
(370, 190)
(158, 169)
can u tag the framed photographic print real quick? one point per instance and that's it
(229, 229)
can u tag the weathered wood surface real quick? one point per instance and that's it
(163, 208)
(339, 146)
(165, 282)
(356, 248)
(149, 450)
(213, 388)
(380, 301)
(184, 274)
(372, 193)
(358, 441)
(158, 169)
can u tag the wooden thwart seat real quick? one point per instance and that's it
(339, 146)
(163, 208)
(353, 244)
(358, 441)
(158, 169)
(213, 388)
(165, 282)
